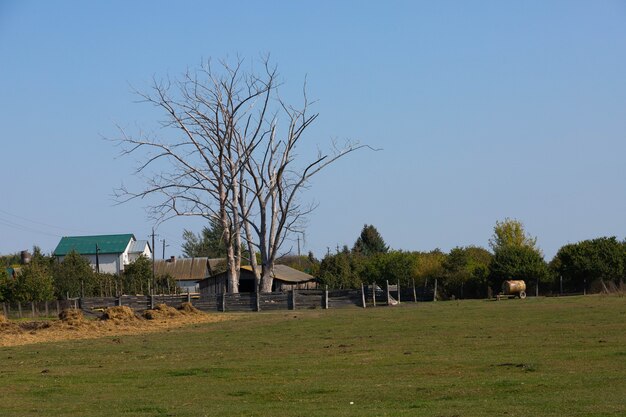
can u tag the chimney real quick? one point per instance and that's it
(172, 259)
(25, 257)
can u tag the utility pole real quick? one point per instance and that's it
(299, 260)
(97, 259)
(163, 248)
(153, 250)
(298, 245)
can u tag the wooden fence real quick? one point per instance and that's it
(18, 310)
(366, 296)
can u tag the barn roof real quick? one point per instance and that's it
(185, 269)
(285, 273)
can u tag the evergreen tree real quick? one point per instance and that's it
(208, 243)
(369, 242)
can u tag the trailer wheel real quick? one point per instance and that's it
(522, 294)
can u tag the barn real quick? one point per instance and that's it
(188, 272)
(285, 279)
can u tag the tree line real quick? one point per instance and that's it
(476, 272)
(44, 278)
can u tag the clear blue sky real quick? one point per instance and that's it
(485, 110)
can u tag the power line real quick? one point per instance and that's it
(23, 228)
(38, 222)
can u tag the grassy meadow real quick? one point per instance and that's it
(533, 357)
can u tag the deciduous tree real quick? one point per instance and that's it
(510, 232)
(467, 271)
(581, 263)
(231, 157)
(73, 276)
(517, 263)
(34, 283)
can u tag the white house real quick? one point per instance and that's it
(105, 253)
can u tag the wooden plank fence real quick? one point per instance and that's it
(365, 297)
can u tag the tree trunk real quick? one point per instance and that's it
(232, 272)
(267, 280)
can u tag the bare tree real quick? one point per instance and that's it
(196, 171)
(275, 180)
(227, 160)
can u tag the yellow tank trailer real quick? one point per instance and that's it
(512, 289)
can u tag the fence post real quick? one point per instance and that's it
(293, 299)
(374, 293)
(4, 310)
(58, 308)
(326, 297)
(32, 307)
(398, 289)
(223, 302)
(414, 292)
(151, 301)
(388, 294)
(258, 300)
(362, 295)
(188, 296)
(19, 309)
(47, 310)
(435, 292)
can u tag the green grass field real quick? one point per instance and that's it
(533, 357)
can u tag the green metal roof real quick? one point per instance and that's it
(86, 245)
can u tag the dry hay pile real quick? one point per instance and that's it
(72, 317)
(161, 312)
(6, 326)
(188, 308)
(116, 321)
(119, 314)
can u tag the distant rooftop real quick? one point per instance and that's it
(86, 245)
(138, 246)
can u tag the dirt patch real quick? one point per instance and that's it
(30, 326)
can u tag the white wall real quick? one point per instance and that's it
(110, 263)
(132, 257)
